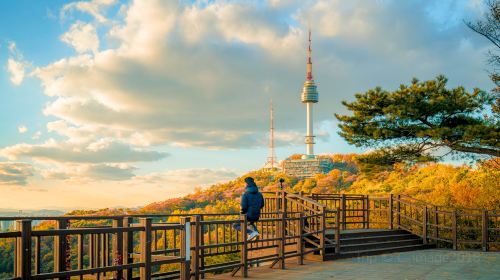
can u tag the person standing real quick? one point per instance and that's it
(252, 202)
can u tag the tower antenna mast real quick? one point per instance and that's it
(271, 159)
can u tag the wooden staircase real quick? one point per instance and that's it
(356, 243)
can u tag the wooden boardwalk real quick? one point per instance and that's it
(427, 264)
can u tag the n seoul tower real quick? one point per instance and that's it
(309, 97)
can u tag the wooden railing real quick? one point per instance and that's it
(184, 246)
(167, 246)
(447, 227)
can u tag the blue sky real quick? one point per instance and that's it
(107, 103)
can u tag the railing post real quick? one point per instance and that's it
(117, 241)
(60, 244)
(485, 230)
(344, 215)
(23, 250)
(436, 221)
(278, 201)
(244, 252)
(364, 211)
(367, 211)
(202, 251)
(337, 232)
(195, 263)
(145, 244)
(185, 249)
(424, 225)
(283, 201)
(282, 241)
(300, 241)
(322, 241)
(398, 211)
(127, 247)
(454, 229)
(391, 212)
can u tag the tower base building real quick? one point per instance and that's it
(307, 167)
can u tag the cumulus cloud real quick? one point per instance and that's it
(22, 129)
(188, 179)
(93, 172)
(15, 173)
(94, 8)
(82, 36)
(102, 151)
(16, 65)
(197, 74)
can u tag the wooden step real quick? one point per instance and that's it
(378, 251)
(378, 238)
(379, 245)
(369, 233)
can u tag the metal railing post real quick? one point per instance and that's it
(485, 230)
(23, 250)
(145, 244)
(185, 250)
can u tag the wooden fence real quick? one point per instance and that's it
(447, 227)
(185, 246)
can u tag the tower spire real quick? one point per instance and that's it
(309, 62)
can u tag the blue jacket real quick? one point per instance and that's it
(251, 203)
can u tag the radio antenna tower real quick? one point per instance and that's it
(271, 159)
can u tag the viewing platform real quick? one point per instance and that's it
(329, 235)
(434, 264)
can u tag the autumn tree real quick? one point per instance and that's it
(421, 122)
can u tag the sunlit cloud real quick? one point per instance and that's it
(15, 173)
(22, 129)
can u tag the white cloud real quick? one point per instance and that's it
(185, 179)
(82, 36)
(94, 8)
(16, 70)
(15, 173)
(22, 129)
(80, 173)
(102, 151)
(16, 65)
(36, 135)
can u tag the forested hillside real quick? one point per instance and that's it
(443, 184)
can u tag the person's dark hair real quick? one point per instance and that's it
(249, 180)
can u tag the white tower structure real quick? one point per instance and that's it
(271, 159)
(309, 97)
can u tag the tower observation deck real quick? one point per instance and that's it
(309, 164)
